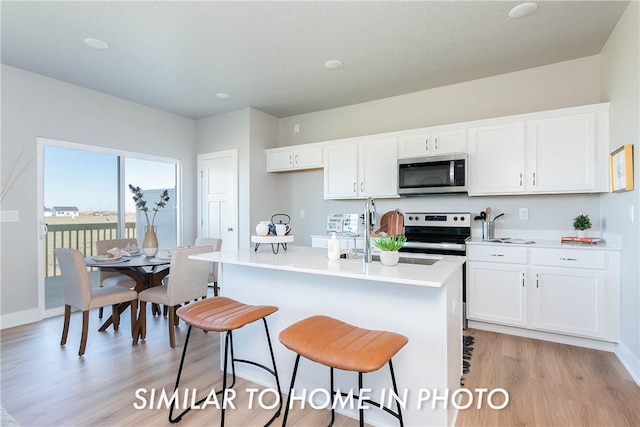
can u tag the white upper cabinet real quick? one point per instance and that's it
(561, 154)
(560, 151)
(361, 167)
(283, 159)
(431, 143)
(496, 159)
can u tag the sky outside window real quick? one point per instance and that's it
(89, 180)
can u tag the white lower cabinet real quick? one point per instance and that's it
(568, 291)
(498, 293)
(569, 300)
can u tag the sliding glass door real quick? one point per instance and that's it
(86, 198)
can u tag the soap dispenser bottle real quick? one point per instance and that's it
(333, 247)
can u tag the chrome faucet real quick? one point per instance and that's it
(370, 218)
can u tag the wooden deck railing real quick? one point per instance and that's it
(82, 237)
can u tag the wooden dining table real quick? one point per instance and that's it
(146, 271)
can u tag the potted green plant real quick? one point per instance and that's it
(389, 247)
(581, 224)
(150, 243)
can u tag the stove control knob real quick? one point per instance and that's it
(461, 218)
(455, 218)
(410, 218)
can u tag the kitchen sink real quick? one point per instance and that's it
(407, 260)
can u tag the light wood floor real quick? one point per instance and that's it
(46, 385)
(549, 384)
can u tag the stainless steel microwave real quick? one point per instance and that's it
(435, 174)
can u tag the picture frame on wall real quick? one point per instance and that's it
(621, 169)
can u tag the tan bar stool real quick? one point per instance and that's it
(339, 345)
(221, 314)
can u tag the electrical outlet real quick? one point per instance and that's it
(296, 128)
(524, 213)
(301, 213)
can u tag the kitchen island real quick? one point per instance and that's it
(422, 302)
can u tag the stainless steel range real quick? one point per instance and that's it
(442, 234)
(437, 233)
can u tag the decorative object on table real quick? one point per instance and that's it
(282, 229)
(581, 224)
(150, 243)
(389, 248)
(279, 219)
(621, 169)
(262, 229)
(573, 240)
(275, 241)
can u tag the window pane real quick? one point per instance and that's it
(81, 206)
(153, 178)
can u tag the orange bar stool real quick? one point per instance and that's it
(221, 314)
(339, 345)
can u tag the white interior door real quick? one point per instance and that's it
(219, 197)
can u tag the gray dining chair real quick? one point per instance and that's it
(79, 294)
(187, 281)
(111, 277)
(213, 272)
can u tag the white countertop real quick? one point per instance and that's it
(314, 261)
(610, 244)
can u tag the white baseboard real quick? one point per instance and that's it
(630, 361)
(19, 318)
(545, 336)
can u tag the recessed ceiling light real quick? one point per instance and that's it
(523, 10)
(222, 95)
(96, 43)
(334, 64)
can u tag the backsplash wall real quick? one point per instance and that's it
(546, 212)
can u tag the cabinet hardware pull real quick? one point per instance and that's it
(436, 144)
(354, 186)
(496, 254)
(295, 158)
(426, 144)
(534, 179)
(522, 274)
(362, 186)
(290, 159)
(230, 229)
(537, 280)
(568, 259)
(520, 179)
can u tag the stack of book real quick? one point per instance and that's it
(582, 240)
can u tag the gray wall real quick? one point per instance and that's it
(36, 106)
(620, 71)
(250, 131)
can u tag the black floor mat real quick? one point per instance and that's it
(467, 349)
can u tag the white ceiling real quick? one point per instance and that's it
(175, 56)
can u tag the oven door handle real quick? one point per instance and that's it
(423, 245)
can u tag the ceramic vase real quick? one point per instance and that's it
(262, 229)
(150, 243)
(389, 257)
